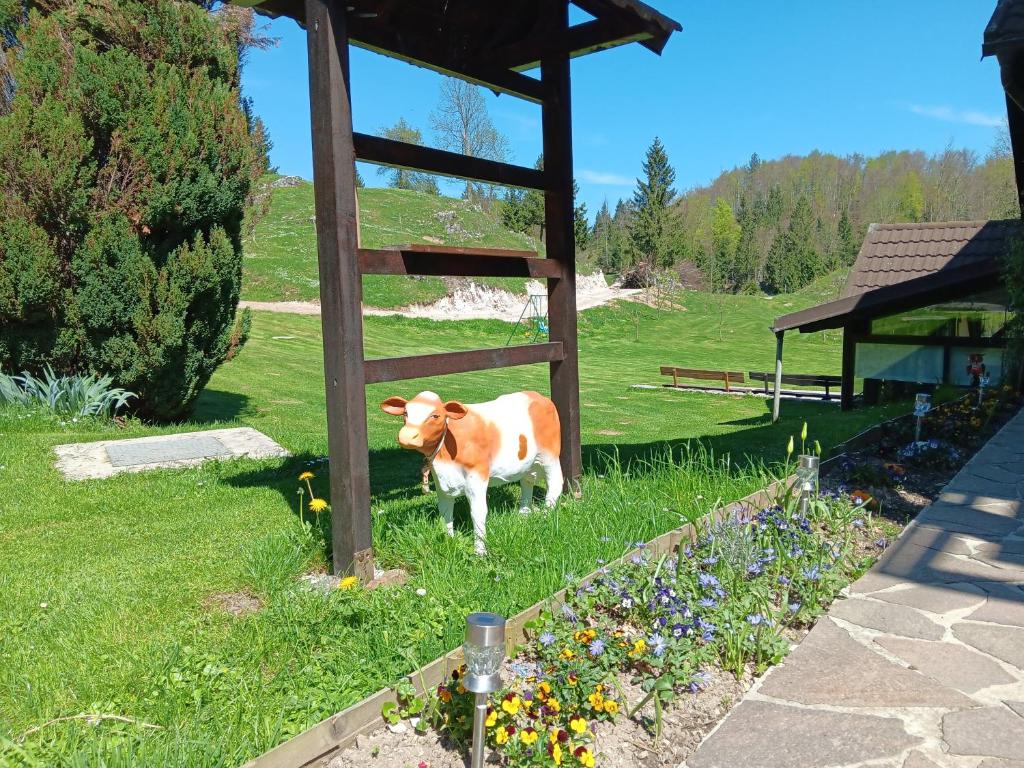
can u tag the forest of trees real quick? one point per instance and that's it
(777, 225)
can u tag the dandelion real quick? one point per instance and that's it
(348, 582)
(317, 506)
(547, 639)
(306, 476)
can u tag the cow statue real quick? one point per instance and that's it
(470, 447)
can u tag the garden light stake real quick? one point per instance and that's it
(484, 650)
(807, 479)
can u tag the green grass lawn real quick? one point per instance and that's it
(127, 566)
(280, 255)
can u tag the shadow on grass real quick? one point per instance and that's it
(214, 405)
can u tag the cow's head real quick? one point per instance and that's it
(425, 419)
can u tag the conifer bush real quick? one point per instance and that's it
(127, 155)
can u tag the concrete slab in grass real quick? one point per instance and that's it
(105, 458)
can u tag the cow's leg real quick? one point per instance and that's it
(446, 505)
(476, 494)
(526, 486)
(553, 477)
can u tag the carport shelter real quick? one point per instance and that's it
(485, 42)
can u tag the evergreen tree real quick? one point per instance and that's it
(794, 261)
(651, 233)
(747, 261)
(847, 242)
(581, 229)
(126, 163)
(623, 255)
(402, 178)
(601, 236)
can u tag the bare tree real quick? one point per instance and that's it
(461, 124)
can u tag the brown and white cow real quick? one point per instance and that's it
(515, 437)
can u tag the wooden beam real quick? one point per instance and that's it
(587, 37)
(849, 368)
(1015, 124)
(777, 397)
(456, 262)
(334, 182)
(399, 154)
(443, 363)
(559, 213)
(929, 341)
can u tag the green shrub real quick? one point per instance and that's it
(126, 159)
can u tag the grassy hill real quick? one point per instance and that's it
(280, 255)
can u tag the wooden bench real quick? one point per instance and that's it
(729, 377)
(799, 380)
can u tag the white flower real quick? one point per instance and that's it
(421, 592)
(44, 606)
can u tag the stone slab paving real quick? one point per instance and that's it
(105, 458)
(922, 666)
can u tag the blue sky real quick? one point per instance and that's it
(775, 77)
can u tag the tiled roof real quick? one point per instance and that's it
(895, 253)
(905, 266)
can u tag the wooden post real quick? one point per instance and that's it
(849, 367)
(334, 178)
(561, 241)
(777, 399)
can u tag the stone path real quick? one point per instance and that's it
(923, 664)
(104, 458)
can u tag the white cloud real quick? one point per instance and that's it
(951, 115)
(608, 179)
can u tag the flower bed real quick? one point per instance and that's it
(607, 677)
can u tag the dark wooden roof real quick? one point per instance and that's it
(906, 266)
(463, 36)
(1005, 30)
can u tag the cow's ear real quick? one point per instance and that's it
(394, 405)
(454, 409)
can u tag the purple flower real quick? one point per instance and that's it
(756, 619)
(658, 645)
(699, 682)
(794, 607)
(754, 569)
(679, 630)
(707, 580)
(568, 612)
(811, 574)
(784, 581)
(627, 603)
(547, 639)
(707, 602)
(709, 561)
(858, 523)
(596, 648)
(636, 560)
(882, 543)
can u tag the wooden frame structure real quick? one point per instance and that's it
(491, 44)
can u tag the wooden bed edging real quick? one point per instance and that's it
(318, 744)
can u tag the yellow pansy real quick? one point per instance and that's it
(553, 705)
(529, 736)
(585, 756)
(501, 735)
(578, 724)
(543, 690)
(596, 700)
(556, 753)
(611, 706)
(511, 704)
(567, 653)
(492, 718)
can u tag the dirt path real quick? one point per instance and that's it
(470, 302)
